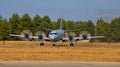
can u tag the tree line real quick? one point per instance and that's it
(16, 24)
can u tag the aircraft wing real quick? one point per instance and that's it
(74, 38)
(80, 38)
(95, 37)
(72, 30)
(35, 37)
(66, 39)
(16, 35)
(91, 37)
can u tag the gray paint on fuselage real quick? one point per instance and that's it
(56, 35)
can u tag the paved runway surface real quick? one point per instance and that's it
(57, 64)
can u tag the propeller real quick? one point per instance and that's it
(84, 36)
(26, 34)
(40, 37)
(70, 38)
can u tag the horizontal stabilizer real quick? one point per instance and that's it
(47, 29)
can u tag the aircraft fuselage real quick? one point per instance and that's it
(56, 35)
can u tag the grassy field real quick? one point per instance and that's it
(36, 44)
(30, 51)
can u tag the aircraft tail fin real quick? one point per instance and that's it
(61, 24)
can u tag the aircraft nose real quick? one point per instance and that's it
(52, 37)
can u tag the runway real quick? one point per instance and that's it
(57, 64)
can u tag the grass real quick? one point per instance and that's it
(36, 53)
(59, 54)
(36, 43)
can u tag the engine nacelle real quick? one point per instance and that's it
(26, 35)
(40, 37)
(84, 36)
(70, 37)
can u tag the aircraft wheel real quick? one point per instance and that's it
(71, 44)
(41, 44)
(54, 45)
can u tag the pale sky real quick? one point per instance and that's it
(69, 9)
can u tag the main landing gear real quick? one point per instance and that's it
(41, 44)
(71, 44)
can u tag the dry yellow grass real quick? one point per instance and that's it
(58, 53)
(36, 43)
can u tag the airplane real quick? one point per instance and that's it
(56, 35)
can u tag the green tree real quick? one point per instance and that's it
(14, 22)
(90, 27)
(99, 30)
(53, 25)
(115, 29)
(1, 18)
(46, 19)
(4, 30)
(70, 25)
(46, 25)
(26, 22)
(37, 24)
(83, 26)
(58, 22)
(102, 29)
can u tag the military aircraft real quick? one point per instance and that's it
(56, 35)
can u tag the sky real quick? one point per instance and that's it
(77, 10)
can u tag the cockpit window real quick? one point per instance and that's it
(53, 33)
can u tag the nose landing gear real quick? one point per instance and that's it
(53, 44)
(71, 44)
